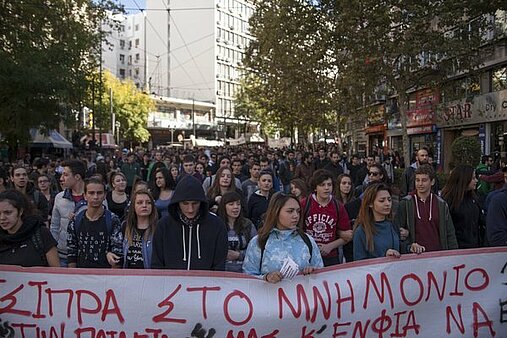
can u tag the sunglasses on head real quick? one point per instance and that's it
(373, 173)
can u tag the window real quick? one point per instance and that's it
(122, 59)
(130, 44)
(136, 27)
(137, 57)
(137, 43)
(122, 73)
(130, 59)
(122, 44)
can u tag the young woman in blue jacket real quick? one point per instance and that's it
(281, 237)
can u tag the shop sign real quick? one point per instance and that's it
(421, 130)
(420, 117)
(480, 109)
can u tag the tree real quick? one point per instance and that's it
(130, 105)
(285, 82)
(406, 45)
(48, 51)
(466, 150)
(315, 58)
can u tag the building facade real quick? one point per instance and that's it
(467, 105)
(123, 52)
(184, 50)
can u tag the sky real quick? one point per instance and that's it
(130, 5)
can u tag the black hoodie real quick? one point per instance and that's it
(183, 247)
(22, 248)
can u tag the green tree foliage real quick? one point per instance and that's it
(130, 106)
(313, 59)
(466, 150)
(286, 84)
(406, 45)
(47, 52)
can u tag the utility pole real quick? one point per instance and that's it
(193, 118)
(113, 115)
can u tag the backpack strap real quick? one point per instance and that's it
(308, 243)
(308, 202)
(39, 245)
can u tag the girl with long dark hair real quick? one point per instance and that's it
(163, 190)
(240, 230)
(24, 238)
(466, 213)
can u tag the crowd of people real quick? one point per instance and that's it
(263, 212)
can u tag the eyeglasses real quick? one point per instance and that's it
(373, 173)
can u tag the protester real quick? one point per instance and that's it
(189, 237)
(117, 198)
(496, 219)
(282, 241)
(425, 215)
(131, 169)
(298, 188)
(407, 183)
(240, 230)
(466, 213)
(222, 184)
(325, 219)
(24, 238)
(67, 203)
(163, 190)
(344, 192)
(140, 225)
(258, 202)
(250, 185)
(94, 234)
(19, 178)
(44, 186)
(374, 233)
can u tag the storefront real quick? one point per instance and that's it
(483, 116)
(421, 119)
(376, 130)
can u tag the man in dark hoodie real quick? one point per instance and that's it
(190, 237)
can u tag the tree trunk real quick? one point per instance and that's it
(402, 107)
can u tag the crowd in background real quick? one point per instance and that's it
(265, 212)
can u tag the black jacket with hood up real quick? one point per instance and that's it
(178, 246)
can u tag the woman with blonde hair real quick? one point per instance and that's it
(281, 242)
(139, 227)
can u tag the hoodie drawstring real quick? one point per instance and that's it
(184, 245)
(417, 207)
(198, 243)
(189, 247)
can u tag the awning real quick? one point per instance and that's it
(54, 139)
